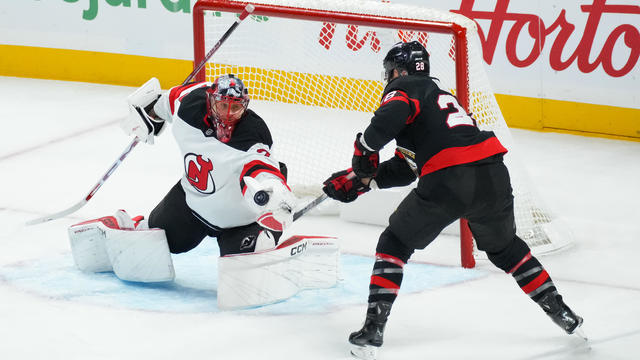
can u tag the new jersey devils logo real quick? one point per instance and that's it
(198, 173)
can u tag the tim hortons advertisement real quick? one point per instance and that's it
(575, 50)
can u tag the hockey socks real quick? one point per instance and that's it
(532, 278)
(516, 259)
(386, 278)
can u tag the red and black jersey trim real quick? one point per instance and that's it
(463, 155)
(177, 91)
(256, 167)
(398, 95)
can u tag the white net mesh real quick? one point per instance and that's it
(323, 80)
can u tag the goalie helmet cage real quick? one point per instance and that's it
(324, 57)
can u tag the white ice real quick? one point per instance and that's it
(58, 138)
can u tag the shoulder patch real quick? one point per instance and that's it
(389, 96)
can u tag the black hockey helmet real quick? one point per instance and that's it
(411, 57)
(227, 100)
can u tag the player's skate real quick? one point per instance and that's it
(367, 340)
(561, 314)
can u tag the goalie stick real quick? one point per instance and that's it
(247, 10)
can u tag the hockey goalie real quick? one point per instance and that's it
(232, 189)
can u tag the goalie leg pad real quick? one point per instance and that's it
(265, 277)
(110, 243)
(87, 245)
(140, 255)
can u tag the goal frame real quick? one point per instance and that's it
(458, 32)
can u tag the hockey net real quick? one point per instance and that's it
(315, 66)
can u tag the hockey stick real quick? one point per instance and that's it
(95, 188)
(316, 201)
(309, 206)
(247, 10)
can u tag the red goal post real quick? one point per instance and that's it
(351, 14)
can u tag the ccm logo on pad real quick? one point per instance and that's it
(298, 249)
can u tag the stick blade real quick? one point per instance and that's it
(57, 215)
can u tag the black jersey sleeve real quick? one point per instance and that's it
(389, 119)
(394, 172)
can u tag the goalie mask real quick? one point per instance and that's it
(410, 57)
(227, 101)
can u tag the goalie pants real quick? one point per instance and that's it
(185, 231)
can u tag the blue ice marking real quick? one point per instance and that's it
(194, 289)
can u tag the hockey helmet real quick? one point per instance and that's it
(227, 101)
(410, 57)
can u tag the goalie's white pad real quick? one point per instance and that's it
(261, 278)
(140, 255)
(105, 244)
(87, 244)
(138, 122)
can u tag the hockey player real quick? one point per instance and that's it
(461, 175)
(231, 189)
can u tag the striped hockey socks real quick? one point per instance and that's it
(386, 278)
(532, 278)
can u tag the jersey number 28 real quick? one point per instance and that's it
(457, 115)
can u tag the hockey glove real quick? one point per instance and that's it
(344, 186)
(141, 120)
(273, 201)
(365, 161)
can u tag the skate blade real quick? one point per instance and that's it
(581, 334)
(366, 352)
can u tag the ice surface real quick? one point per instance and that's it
(58, 138)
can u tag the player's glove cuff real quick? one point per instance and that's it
(365, 161)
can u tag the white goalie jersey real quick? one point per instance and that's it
(214, 172)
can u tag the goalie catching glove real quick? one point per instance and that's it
(273, 200)
(142, 121)
(344, 186)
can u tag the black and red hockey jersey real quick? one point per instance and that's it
(431, 129)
